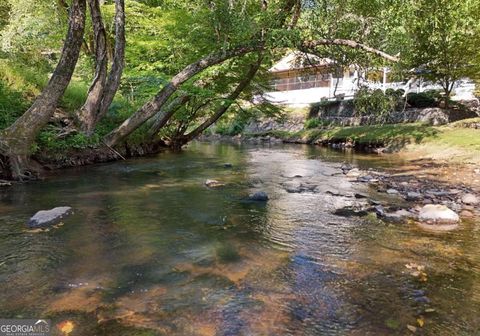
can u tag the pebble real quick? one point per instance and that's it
(470, 199)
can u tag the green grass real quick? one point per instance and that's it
(399, 133)
(396, 136)
(465, 123)
(465, 138)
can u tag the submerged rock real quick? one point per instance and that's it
(45, 218)
(294, 187)
(349, 211)
(467, 214)
(213, 183)
(398, 216)
(259, 196)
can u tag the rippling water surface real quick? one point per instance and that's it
(151, 251)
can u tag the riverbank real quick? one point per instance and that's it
(448, 154)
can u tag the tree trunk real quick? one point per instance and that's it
(16, 140)
(153, 106)
(166, 112)
(115, 75)
(103, 89)
(230, 99)
(86, 114)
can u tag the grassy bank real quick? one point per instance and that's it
(452, 141)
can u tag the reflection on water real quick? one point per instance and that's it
(151, 251)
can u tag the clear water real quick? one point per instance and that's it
(151, 251)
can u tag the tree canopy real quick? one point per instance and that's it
(176, 67)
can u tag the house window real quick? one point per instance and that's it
(300, 81)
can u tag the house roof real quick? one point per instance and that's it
(299, 60)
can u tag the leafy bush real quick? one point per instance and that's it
(312, 123)
(49, 140)
(315, 123)
(376, 102)
(429, 98)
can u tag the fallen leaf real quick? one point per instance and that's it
(421, 322)
(411, 328)
(66, 327)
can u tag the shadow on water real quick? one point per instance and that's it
(151, 250)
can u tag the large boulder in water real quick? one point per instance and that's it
(436, 213)
(44, 218)
(437, 218)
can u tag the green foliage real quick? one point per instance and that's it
(34, 27)
(444, 38)
(50, 141)
(376, 102)
(12, 105)
(312, 123)
(22, 76)
(74, 96)
(429, 98)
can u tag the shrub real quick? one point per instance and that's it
(312, 123)
(429, 98)
(375, 102)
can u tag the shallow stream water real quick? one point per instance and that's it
(151, 250)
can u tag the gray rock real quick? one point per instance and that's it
(298, 187)
(379, 210)
(259, 196)
(365, 179)
(44, 218)
(346, 167)
(470, 199)
(433, 116)
(355, 172)
(398, 216)
(436, 213)
(392, 191)
(413, 196)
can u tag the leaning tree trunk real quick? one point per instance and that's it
(166, 112)
(229, 100)
(17, 140)
(149, 109)
(103, 89)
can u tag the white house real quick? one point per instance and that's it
(300, 79)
